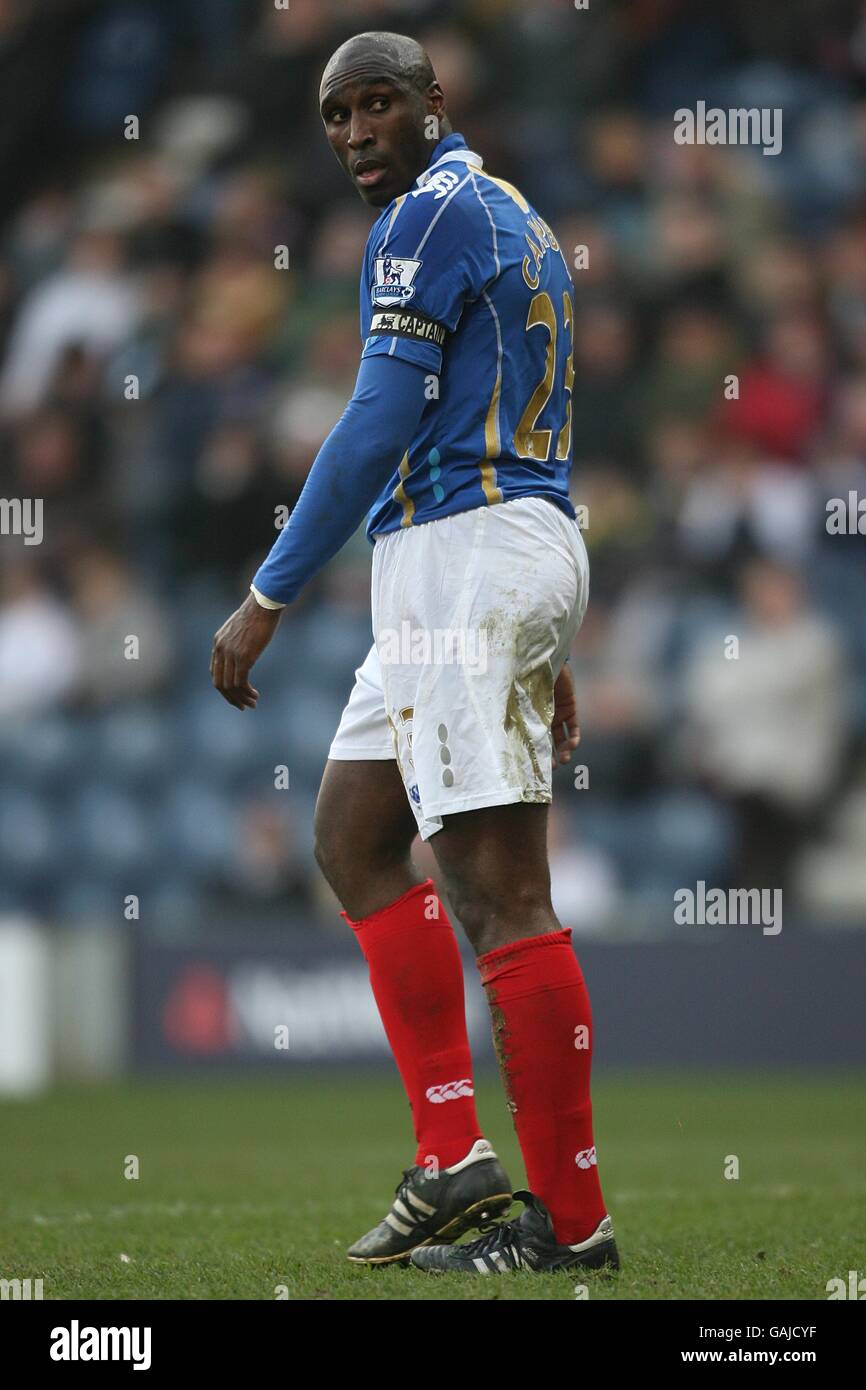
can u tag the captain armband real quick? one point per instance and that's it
(402, 323)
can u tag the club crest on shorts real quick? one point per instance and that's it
(406, 717)
(392, 279)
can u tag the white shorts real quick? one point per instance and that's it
(473, 617)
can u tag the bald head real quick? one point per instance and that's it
(384, 112)
(393, 55)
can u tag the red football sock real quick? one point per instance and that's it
(540, 1010)
(417, 979)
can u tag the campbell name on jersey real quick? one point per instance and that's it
(463, 277)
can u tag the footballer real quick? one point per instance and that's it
(456, 445)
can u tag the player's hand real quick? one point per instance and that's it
(237, 647)
(565, 727)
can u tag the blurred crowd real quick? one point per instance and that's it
(164, 388)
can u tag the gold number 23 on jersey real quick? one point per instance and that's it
(529, 442)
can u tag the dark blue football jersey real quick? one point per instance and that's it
(463, 277)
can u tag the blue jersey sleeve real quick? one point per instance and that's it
(435, 251)
(352, 466)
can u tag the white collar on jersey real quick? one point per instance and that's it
(464, 156)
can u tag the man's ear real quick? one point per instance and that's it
(435, 98)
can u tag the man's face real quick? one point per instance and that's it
(376, 129)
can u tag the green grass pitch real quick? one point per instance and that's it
(246, 1186)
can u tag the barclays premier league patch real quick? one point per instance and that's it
(392, 279)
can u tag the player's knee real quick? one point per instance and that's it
(352, 854)
(492, 914)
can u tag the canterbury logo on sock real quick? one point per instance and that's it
(449, 1090)
(586, 1158)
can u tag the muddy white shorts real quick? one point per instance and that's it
(473, 617)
